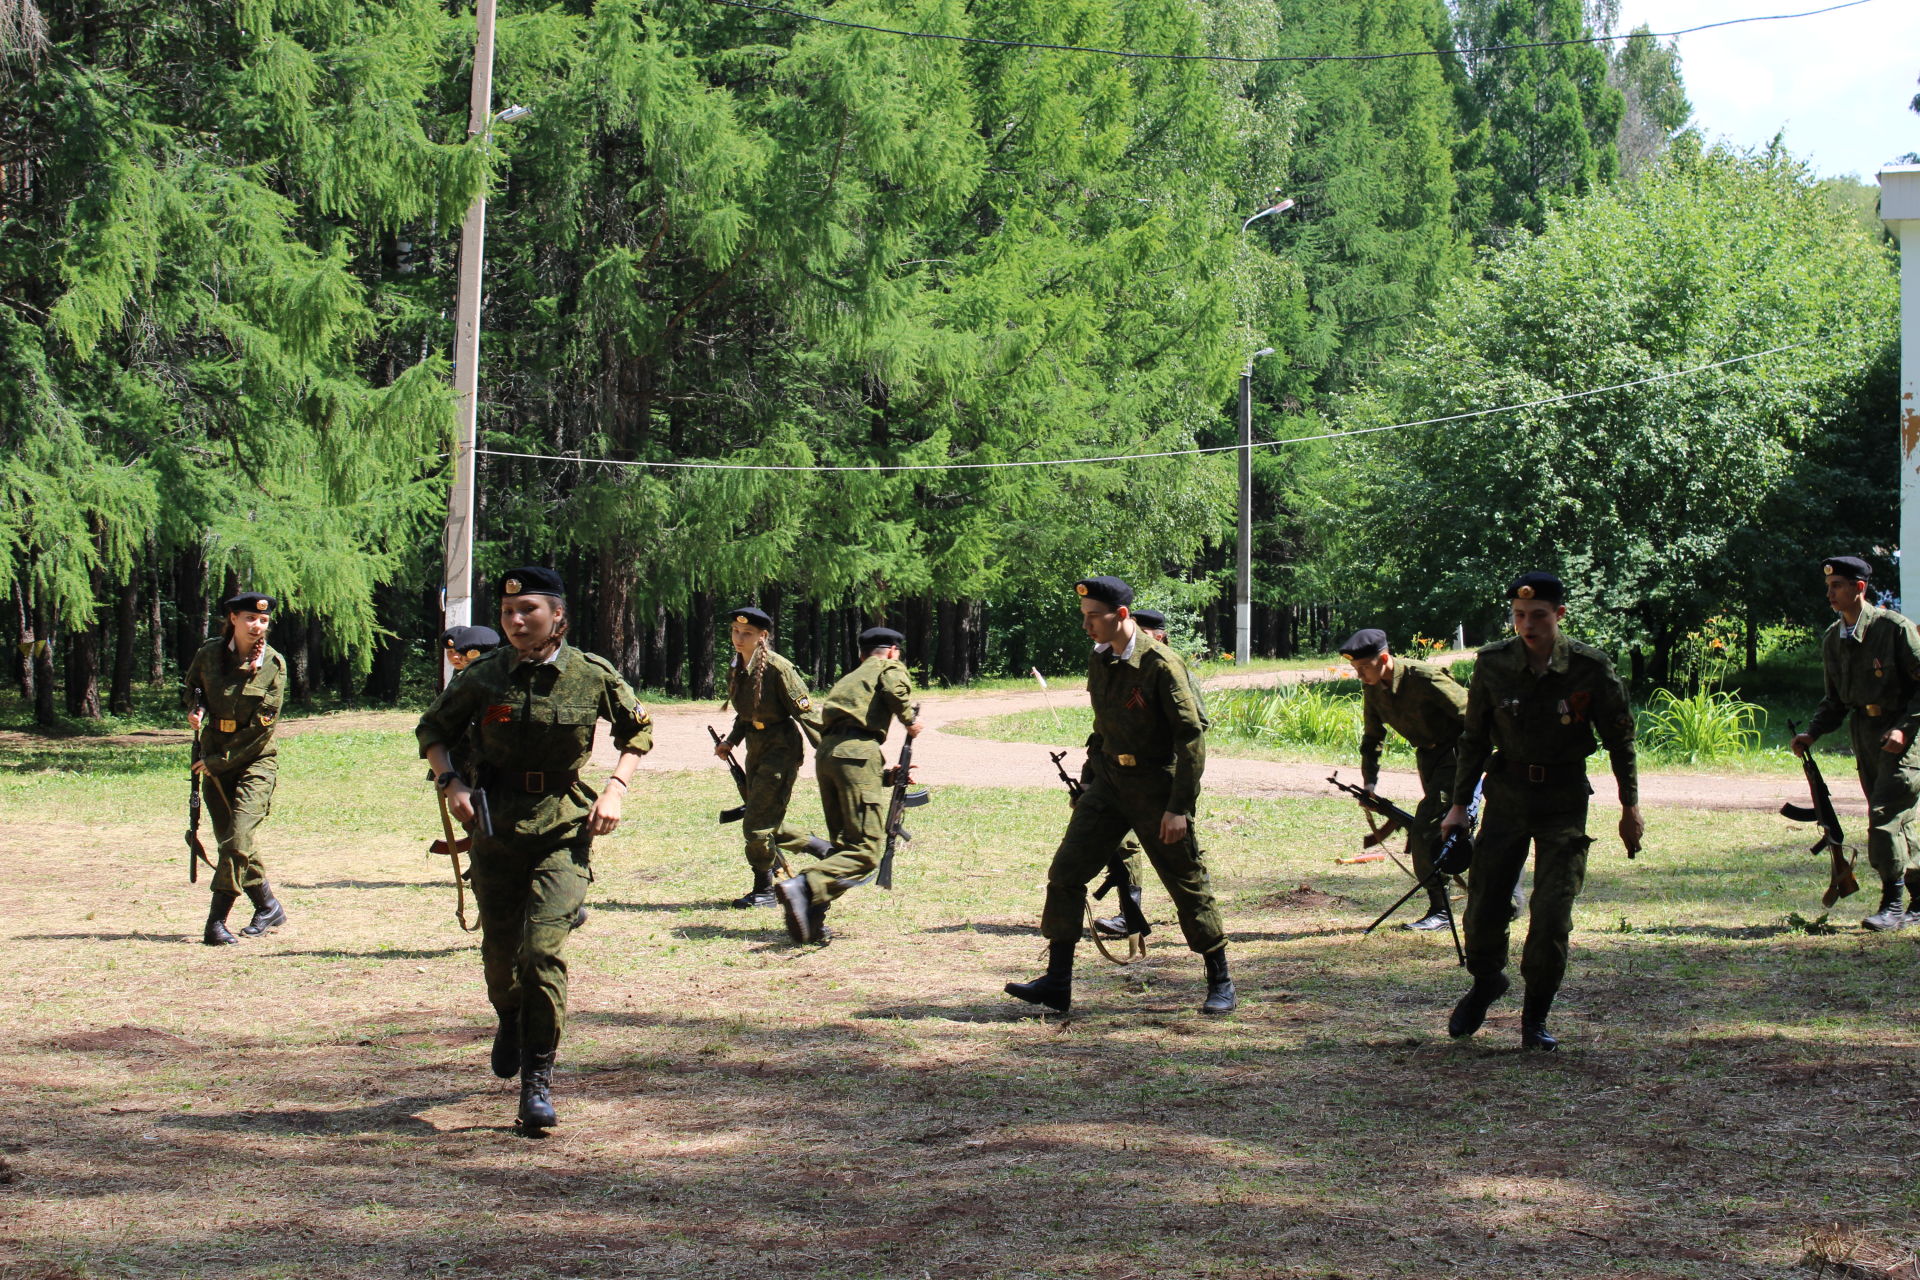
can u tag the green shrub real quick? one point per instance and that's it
(1706, 726)
(1301, 715)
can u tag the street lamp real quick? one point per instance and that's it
(456, 596)
(1243, 595)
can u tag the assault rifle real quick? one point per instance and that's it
(739, 811)
(1118, 878)
(1397, 818)
(1840, 879)
(900, 778)
(196, 851)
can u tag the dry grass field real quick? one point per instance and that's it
(316, 1104)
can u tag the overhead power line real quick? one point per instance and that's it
(1138, 457)
(1289, 57)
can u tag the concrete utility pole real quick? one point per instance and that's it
(456, 602)
(1243, 591)
(1900, 210)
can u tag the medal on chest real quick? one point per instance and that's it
(1879, 669)
(499, 713)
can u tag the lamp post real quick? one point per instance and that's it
(1900, 210)
(456, 596)
(1243, 593)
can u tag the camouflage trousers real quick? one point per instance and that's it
(1100, 820)
(1891, 783)
(528, 891)
(772, 766)
(854, 798)
(1551, 822)
(237, 803)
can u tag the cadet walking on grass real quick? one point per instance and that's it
(233, 692)
(1427, 707)
(851, 765)
(771, 708)
(1871, 659)
(1142, 774)
(533, 705)
(1535, 705)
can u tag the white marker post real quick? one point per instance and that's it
(1900, 210)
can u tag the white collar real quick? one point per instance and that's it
(1131, 646)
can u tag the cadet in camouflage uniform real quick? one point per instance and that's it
(1154, 623)
(771, 709)
(1427, 707)
(242, 683)
(1534, 707)
(533, 704)
(464, 646)
(851, 766)
(1142, 774)
(1872, 661)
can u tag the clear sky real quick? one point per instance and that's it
(1838, 83)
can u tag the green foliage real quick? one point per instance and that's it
(1299, 715)
(1665, 503)
(1699, 728)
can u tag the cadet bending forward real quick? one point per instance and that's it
(1872, 661)
(1142, 773)
(1534, 706)
(234, 688)
(533, 705)
(854, 721)
(1427, 706)
(771, 706)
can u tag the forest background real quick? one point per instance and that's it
(227, 249)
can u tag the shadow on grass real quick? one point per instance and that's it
(663, 908)
(391, 1116)
(133, 936)
(385, 954)
(365, 884)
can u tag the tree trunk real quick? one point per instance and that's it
(43, 712)
(700, 628)
(156, 633)
(677, 653)
(190, 597)
(945, 661)
(83, 673)
(1753, 642)
(128, 622)
(293, 643)
(23, 655)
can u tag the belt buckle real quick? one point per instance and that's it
(1124, 761)
(536, 783)
(758, 725)
(1536, 773)
(229, 726)
(1873, 709)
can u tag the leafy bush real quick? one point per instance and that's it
(1705, 726)
(1302, 715)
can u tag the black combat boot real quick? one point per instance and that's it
(819, 848)
(1054, 988)
(579, 918)
(217, 934)
(1439, 912)
(506, 1046)
(1533, 1023)
(1117, 926)
(267, 911)
(1890, 916)
(536, 1092)
(1220, 996)
(796, 900)
(1472, 1009)
(1913, 896)
(762, 894)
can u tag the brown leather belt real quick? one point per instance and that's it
(1126, 761)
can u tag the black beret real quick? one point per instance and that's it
(1369, 642)
(1111, 591)
(1151, 619)
(469, 639)
(248, 601)
(1538, 585)
(531, 580)
(874, 637)
(1852, 567)
(754, 617)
